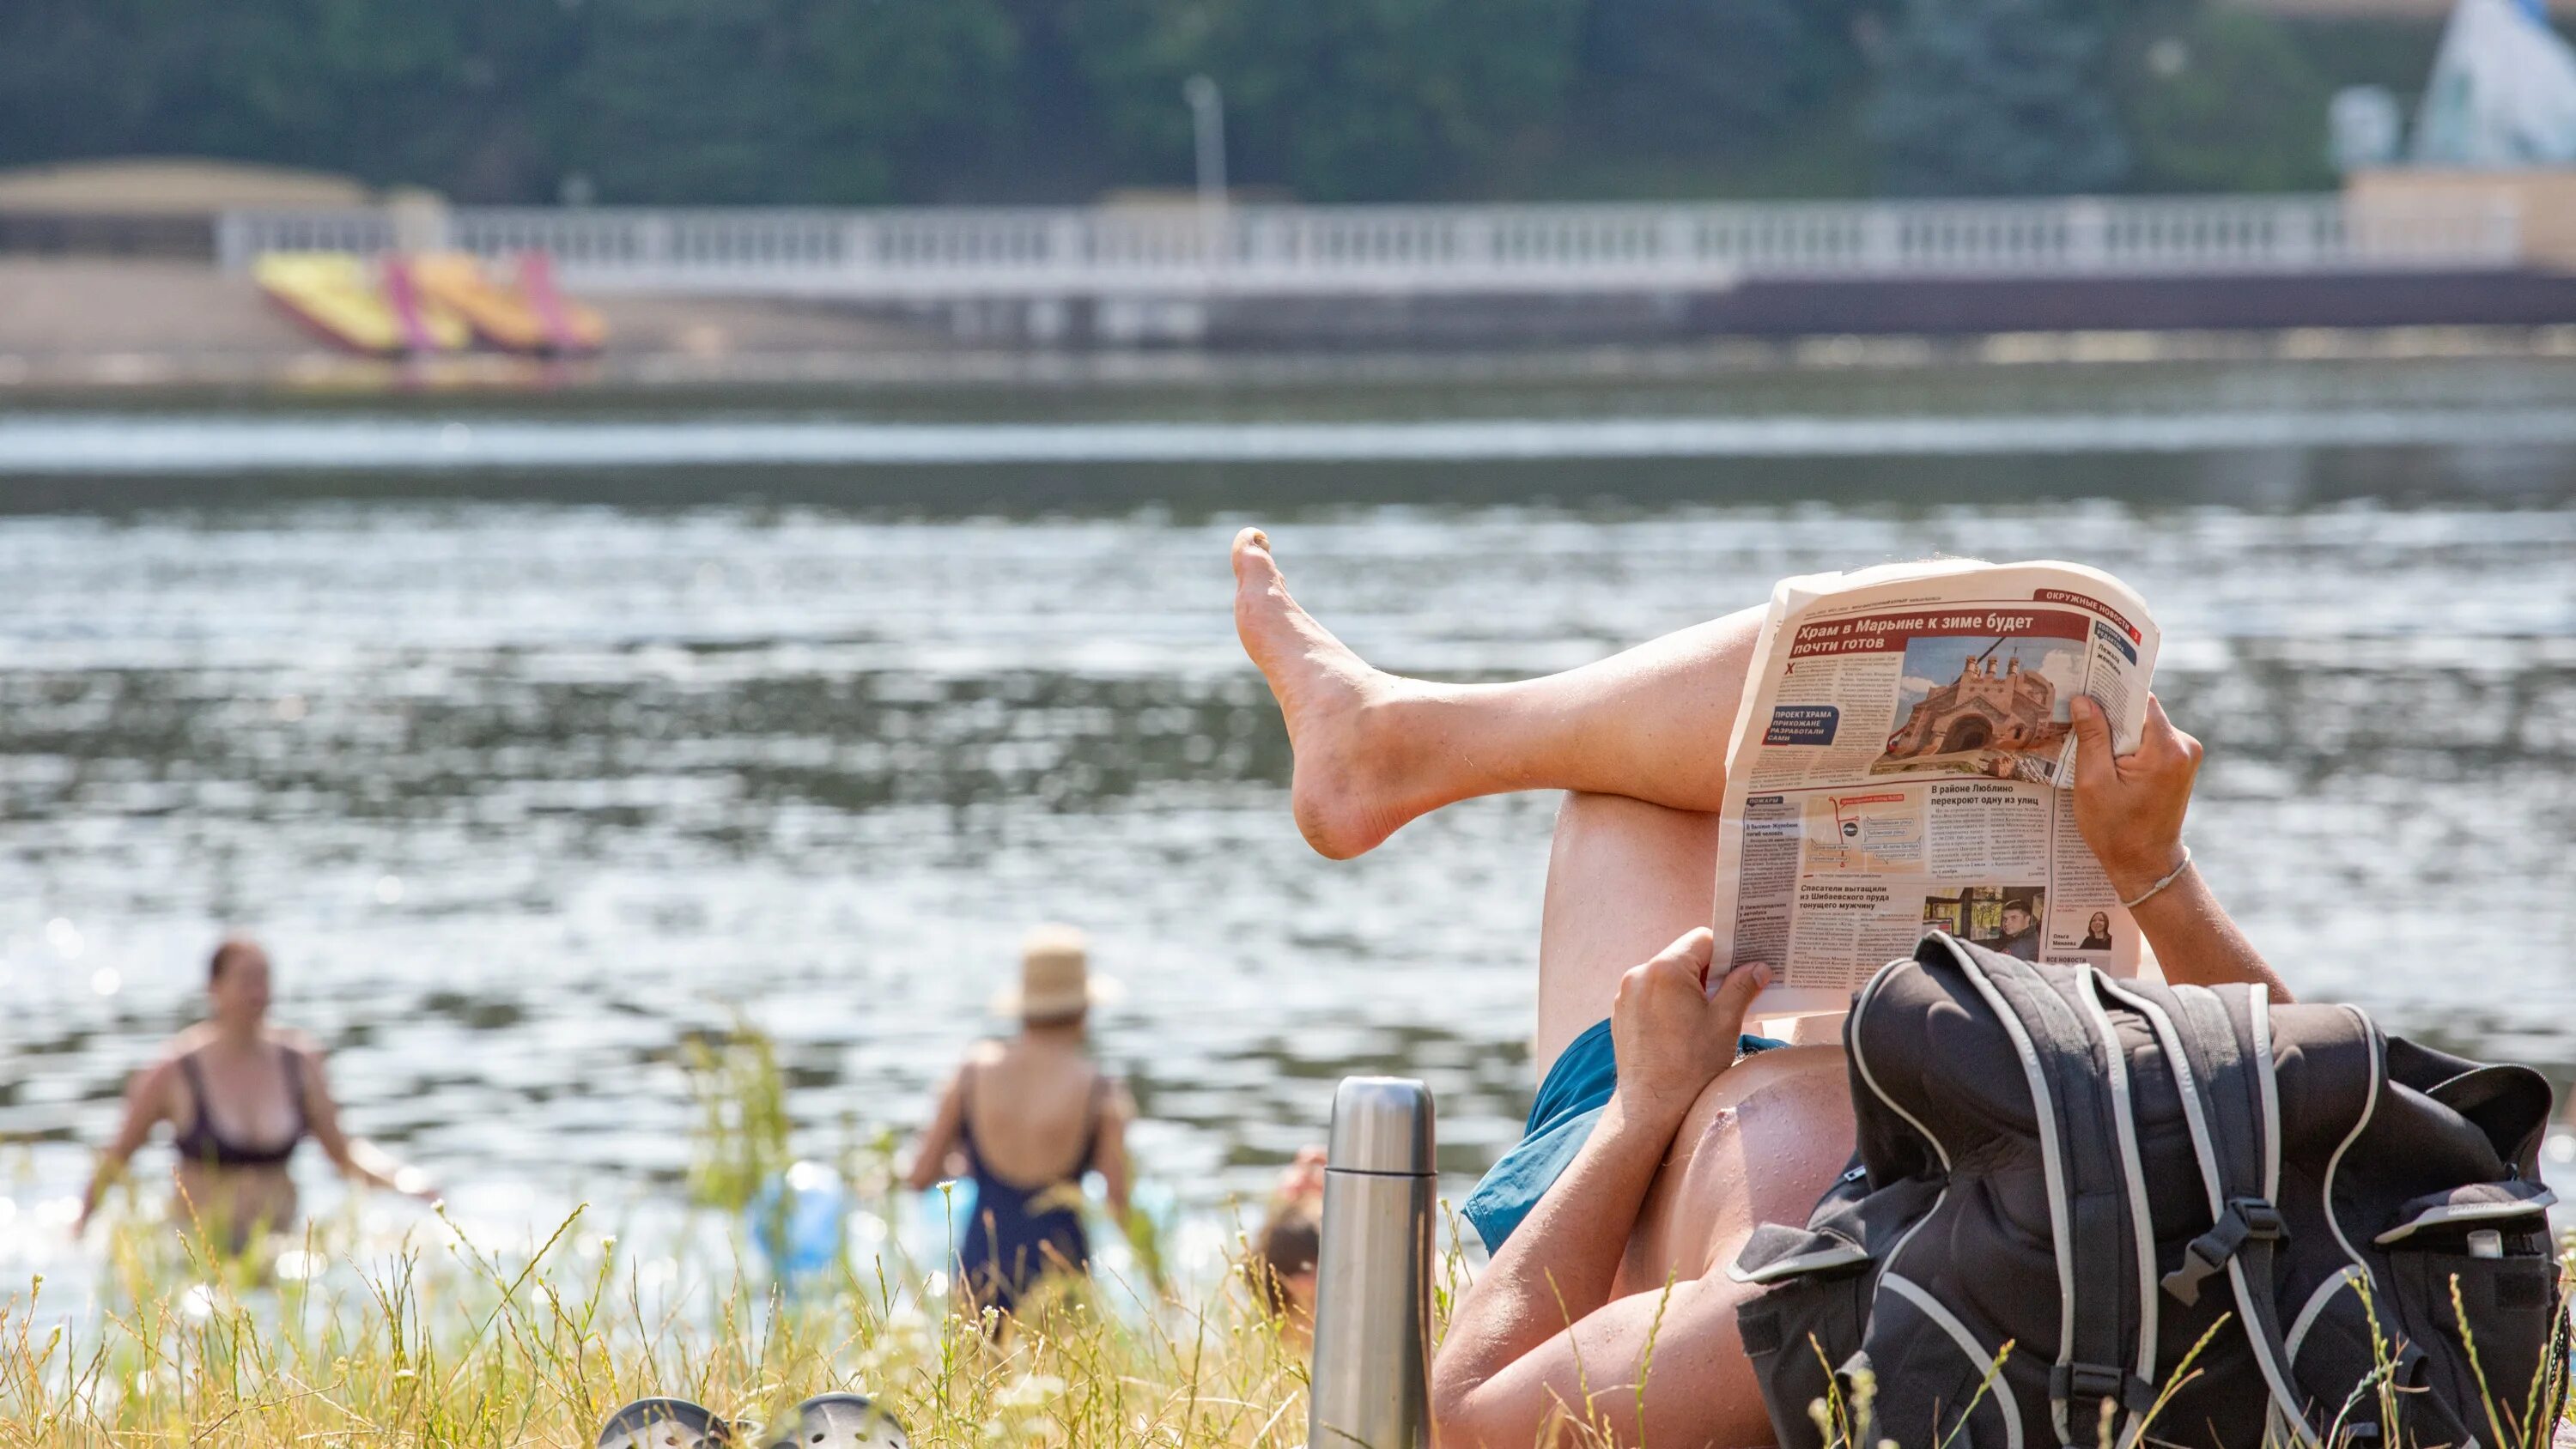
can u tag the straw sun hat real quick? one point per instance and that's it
(1055, 978)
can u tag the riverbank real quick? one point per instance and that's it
(80, 323)
(73, 328)
(440, 1338)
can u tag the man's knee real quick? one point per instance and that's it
(1618, 821)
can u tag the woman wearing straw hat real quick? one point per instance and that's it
(1008, 1117)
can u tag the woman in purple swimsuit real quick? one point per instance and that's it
(240, 1095)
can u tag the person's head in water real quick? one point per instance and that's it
(2098, 928)
(2016, 917)
(1282, 1262)
(237, 985)
(1057, 989)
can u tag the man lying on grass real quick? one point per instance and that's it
(1660, 1138)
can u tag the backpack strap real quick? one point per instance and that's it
(2133, 1172)
(2231, 1105)
(2224, 1073)
(2090, 1196)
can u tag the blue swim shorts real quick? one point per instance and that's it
(1570, 1100)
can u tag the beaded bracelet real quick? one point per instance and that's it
(2170, 877)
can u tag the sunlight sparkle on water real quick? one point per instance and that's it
(816, 744)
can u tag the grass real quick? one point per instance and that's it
(436, 1339)
(451, 1342)
(441, 1340)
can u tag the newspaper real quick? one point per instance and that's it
(1902, 763)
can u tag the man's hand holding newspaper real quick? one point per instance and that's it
(2129, 807)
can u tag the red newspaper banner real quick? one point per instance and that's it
(1890, 633)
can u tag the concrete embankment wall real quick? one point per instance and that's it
(78, 323)
(2072, 304)
(1915, 306)
(133, 320)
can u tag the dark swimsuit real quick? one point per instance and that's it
(1022, 1232)
(203, 1143)
(1570, 1102)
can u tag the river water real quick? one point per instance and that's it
(535, 737)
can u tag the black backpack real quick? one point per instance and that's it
(2099, 1172)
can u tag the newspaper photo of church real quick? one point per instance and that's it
(1998, 712)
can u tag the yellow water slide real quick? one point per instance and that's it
(341, 298)
(530, 316)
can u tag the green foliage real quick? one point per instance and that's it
(435, 1338)
(2224, 100)
(1356, 100)
(451, 93)
(2393, 51)
(646, 127)
(865, 101)
(1999, 97)
(1660, 76)
(779, 101)
(441, 1340)
(895, 91)
(740, 1138)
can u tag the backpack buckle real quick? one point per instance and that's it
(2247, 1219)
(2075, 1382)
(2261, 1219)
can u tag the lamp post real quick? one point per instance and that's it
(1207, 120)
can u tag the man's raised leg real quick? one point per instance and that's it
(1624, 879)
(1374, 749)
(1620, 1263)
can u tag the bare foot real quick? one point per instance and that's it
(1348, 793)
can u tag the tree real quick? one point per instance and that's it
(1999, 97)
(899, 94)
(1352, 100)
(687, 100)
(2224, 100)
(444, 94)
(1665, 76)
(777, 101)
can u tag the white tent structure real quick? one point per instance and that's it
(2503, 92)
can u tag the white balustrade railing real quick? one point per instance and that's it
(929, 254)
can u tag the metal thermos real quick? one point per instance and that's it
(1371, 1382)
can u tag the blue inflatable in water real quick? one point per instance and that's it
(947, 1215)
(798, 1220)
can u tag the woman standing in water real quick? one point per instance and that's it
(1025, 1118)
(241, 1095)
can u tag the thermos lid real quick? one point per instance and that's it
(1380, 1124)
